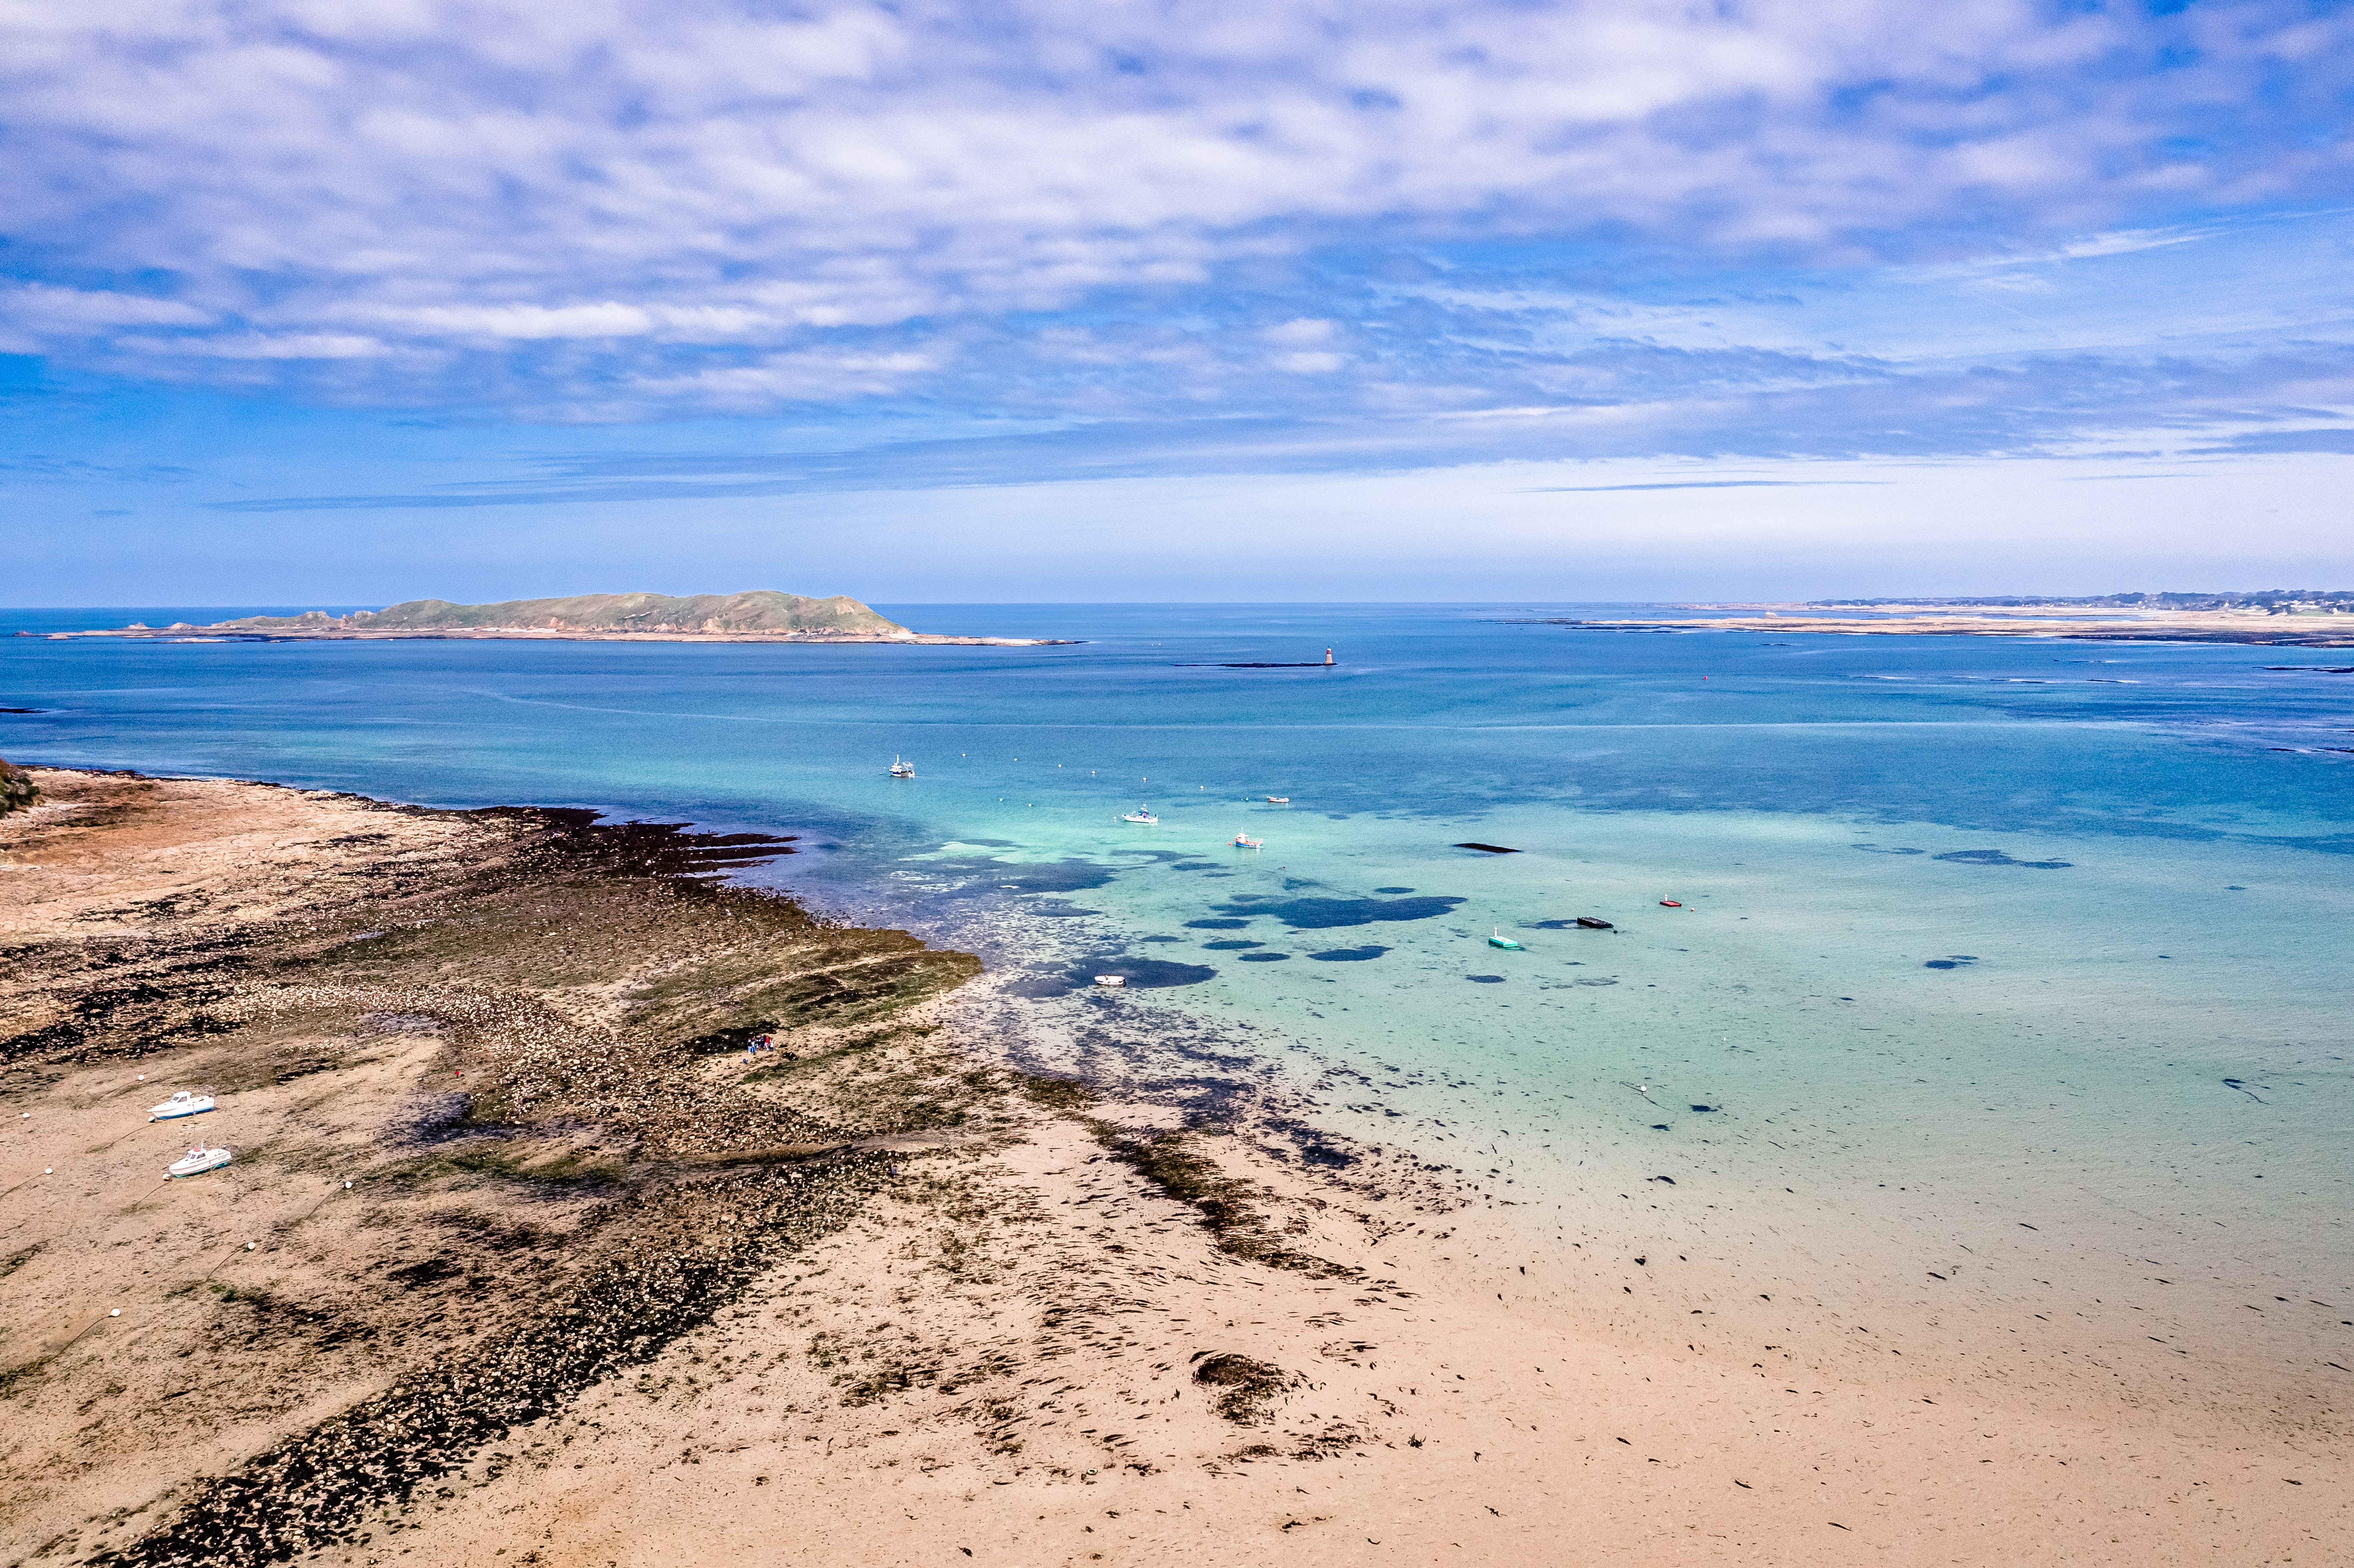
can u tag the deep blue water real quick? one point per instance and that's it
(1439, 712)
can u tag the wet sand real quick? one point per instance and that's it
(605, 1291)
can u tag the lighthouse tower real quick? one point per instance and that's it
(1328, 655)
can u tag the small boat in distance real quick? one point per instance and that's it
(198, 1160)
(1142, 814)
(1500, 941)
(1279, 799)
(1245, 842)
(1113, 981)
(901, 770)
(1670, 903)
(180, 1105)
(1591, 924)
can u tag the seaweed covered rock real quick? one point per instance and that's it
(17, 790)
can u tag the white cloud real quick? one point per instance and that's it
(476, 177)
(257, 346)
(40, 307)
(1301, 333)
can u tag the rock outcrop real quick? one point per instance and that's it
(17, 790)
(763, 610)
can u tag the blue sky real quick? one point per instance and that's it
(375, 298)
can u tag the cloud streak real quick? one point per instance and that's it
(610, 210)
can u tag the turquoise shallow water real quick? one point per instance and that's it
(1975, 936)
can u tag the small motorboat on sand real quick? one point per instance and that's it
(180, 1105)
(198, 1160)
(1143, 815)
(1500, 941)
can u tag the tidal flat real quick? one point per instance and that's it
(524, 1257)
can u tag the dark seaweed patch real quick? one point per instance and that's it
(1232, 945)
(985, 875)
(1485, 980)
(1263, 957)
(1996, 857)
(1875, 849)
(1216, 925)
(1144, 974)
(1247, 1384)
(1393, 890)
(1349, 955)
(1486, 849)
(1325, 913)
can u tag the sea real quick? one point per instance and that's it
(1968, 1005)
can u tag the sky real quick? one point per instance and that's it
(1036, 301)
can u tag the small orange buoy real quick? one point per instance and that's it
(1670, 903)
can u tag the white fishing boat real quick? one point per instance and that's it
(1115, 981)
(1279, 799)
(180, 1105)
(198, 1160)
(901, 768)
(1142, 814)
(1243, 840)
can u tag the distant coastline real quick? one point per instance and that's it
(2273, 619)
(762, 615)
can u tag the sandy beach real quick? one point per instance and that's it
(2299, 629)
(522, 1258)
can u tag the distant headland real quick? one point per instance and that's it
(2291, 618)
(762, 615)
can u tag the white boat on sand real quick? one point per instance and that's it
(198, 1160)
(180, 1105)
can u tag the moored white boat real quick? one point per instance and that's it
(901, 768)
(1115, 981)
(1142, 814)
(1500, 941)
(1243, 840)
(179, 1105)
(198, 1160)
